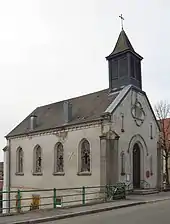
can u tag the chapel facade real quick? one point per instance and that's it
(97, 139)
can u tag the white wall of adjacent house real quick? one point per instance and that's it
(47, 142)
(5, 183)
(143, 135)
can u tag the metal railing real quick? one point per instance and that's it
(26, 200)
(129, 188)
(144, 184)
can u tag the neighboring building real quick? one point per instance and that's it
(165, 126)
(1, 183)
(96, 139)
(1, 171)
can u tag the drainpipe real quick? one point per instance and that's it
(9, 175)
(6, 179)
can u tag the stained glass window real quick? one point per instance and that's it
(59, 158)
(19, 160)
(85, 156)
(38, 159)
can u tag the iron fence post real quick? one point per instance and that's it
(125, 191)
(83, 195)
(54, 198)
(106, 192)
(19, 200)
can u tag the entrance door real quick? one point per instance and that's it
(136, 166)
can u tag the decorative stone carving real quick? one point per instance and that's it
(138, 113)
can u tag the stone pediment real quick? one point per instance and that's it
(110, 135)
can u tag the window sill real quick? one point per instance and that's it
(37, 174)
(58, 173)
(19, 174)
(84, 173)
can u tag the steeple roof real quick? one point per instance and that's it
(123, 44)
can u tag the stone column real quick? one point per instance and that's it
(109, 161)
(5, 196)
(116, 160)
(103, 160)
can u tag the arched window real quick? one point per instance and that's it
(151, 165)
(122, 157)
(37, 159)
(151, 131)
(58, 158)
(84, 156)
(19, 160)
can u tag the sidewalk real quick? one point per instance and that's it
(59, 213)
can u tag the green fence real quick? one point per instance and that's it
(26, 200)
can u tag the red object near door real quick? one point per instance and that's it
(147, 173)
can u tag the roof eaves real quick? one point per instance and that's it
(55, 128)
(123, 52)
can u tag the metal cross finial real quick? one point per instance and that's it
(121, 17)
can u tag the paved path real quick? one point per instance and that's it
(157, 213)
(56, 213)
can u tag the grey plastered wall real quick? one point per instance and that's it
(130, 131)
(71, 146)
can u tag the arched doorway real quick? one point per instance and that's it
(136, 166)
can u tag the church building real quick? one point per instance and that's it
(96, 139)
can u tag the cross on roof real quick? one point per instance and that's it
(121, 17)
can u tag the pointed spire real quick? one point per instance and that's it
(123, 44)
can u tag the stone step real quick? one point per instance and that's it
(144, 191)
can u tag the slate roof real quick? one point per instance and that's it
(84, 108)
(122, 45)
(1, 166)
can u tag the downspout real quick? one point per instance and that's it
(9, 174)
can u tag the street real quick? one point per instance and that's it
(157, 213)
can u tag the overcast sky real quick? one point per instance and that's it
(51, 50)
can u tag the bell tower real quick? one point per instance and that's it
(124, 64)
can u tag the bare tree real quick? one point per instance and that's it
(162, 110)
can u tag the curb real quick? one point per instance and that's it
(87, 212)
